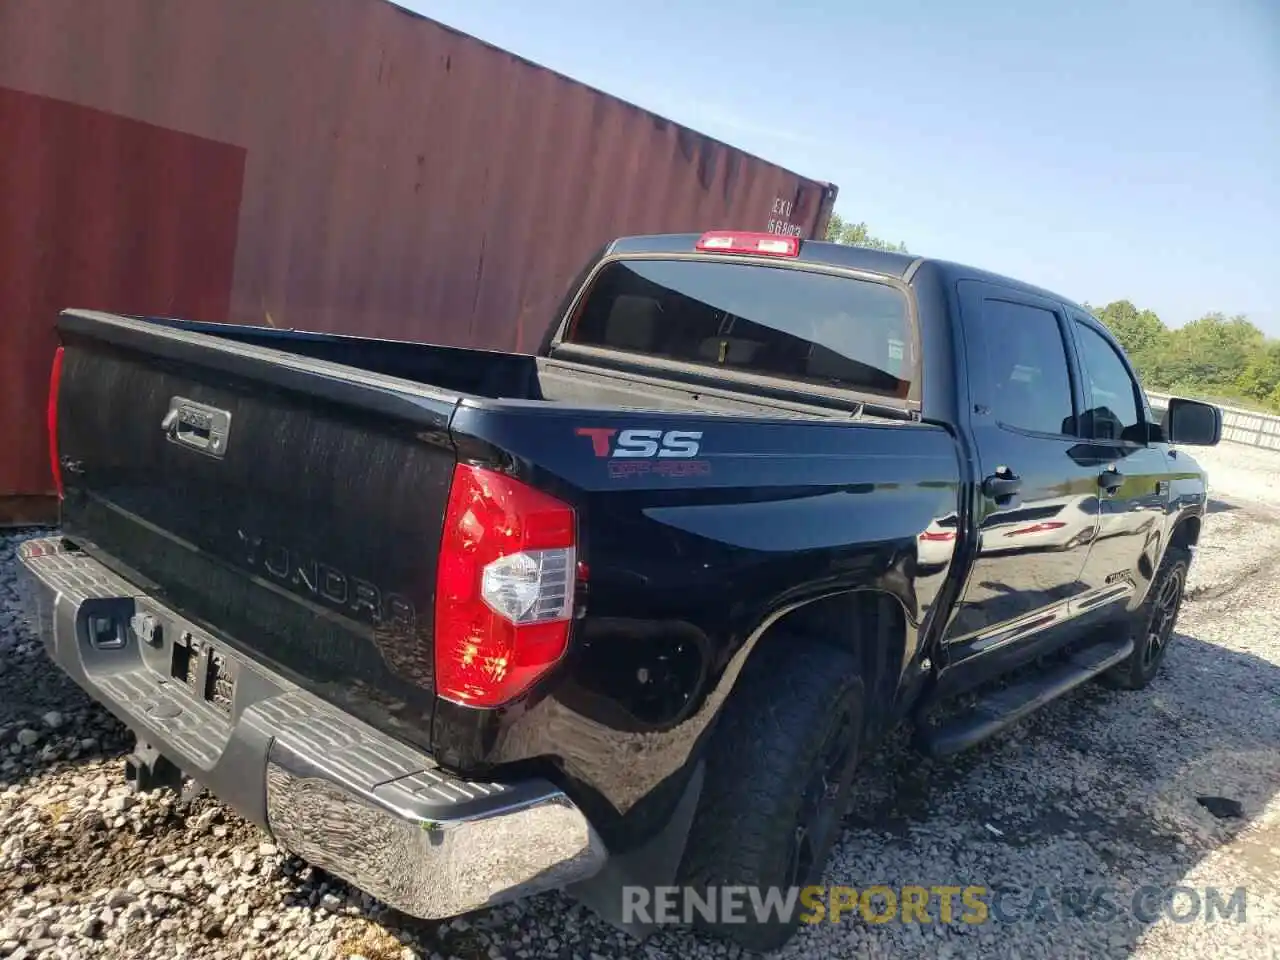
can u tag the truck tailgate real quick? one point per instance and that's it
(292, 507)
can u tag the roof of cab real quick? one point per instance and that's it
(884, 262)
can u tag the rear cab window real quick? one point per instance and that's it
(788, 322)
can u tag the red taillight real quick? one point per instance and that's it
(55, 381)
(761, 244)
(504, 587)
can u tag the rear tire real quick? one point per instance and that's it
(779, 770)
(1153, 623)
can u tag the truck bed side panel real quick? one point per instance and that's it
(690, 557)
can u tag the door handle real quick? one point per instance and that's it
(1110, 480)
(1002, 486)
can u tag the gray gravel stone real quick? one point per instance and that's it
(89, 927)
(120, 898)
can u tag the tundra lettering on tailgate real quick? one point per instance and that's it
(638, 449)
(308, 576)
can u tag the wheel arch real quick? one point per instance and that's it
(1185, 533)
(872, 623)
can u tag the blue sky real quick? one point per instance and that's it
(1102, 148)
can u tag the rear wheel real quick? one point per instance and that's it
(1153, 623)
(779, 771)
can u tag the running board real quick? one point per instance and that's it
(1003, 708)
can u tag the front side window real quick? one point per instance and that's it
(1113, 412)
(775, 321)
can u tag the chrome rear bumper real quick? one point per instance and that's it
(345, 797)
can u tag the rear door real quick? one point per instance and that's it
(1132, 464)
(1037, 506)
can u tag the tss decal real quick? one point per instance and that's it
(614, 443)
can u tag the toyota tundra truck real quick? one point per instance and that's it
(460, 626)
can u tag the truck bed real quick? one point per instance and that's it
(597, 379)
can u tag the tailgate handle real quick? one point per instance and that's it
(198, 426)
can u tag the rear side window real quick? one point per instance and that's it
(1027, 361)
(782, 322)
(1113, 395)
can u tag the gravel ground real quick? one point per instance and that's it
(1096, 791)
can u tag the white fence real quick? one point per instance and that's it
(1240, 426)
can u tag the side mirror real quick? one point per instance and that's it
(1192, 423)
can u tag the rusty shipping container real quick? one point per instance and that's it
(336, 165)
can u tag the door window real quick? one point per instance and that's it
(1027, 361)
(1113, 412)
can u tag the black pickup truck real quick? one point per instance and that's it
(460, 626)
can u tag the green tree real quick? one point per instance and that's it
(1219, 358)
(840, 230)
(1210, 352)
(1260, 378)
(1141, 333)
(1137, 330)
